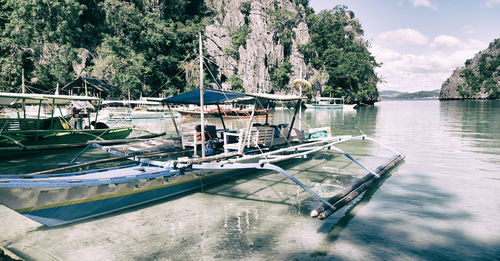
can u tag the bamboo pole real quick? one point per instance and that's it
(202, 112)
(175, 124)
(247, 133)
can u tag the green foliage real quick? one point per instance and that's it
(282, 22)
(238, 38)
(336, 48)
(236, 84)
(280, 76)
(303, 9)
(41, 36)
(481, 79)
(245, 8)
(136, 45)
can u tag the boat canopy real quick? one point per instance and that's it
(131, 102)
(8, 98)
(210, 96)
(275, 96)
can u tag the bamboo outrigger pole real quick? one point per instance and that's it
(202, 113)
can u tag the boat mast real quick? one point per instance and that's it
(300, 95)
(23, 89)
(202, 113)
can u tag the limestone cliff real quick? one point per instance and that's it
(478, 79)
(251, 40)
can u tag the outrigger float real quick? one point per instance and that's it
(169, 167)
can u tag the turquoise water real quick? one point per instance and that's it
(441, 203)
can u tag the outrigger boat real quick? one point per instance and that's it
(56, 197)
(330, 103)
(25, 133)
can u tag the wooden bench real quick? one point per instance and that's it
(259, 136)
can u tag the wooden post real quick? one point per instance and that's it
(221, 119)
(23, 89)
(297, 108)
(245, 137)
(38, 116)
(52, 114)
(85, 87)
(175, 124)
(97, 112)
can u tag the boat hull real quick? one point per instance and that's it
(51, 137)
(224, 113)
(53, 203)
(324, 106)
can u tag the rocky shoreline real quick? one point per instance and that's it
(478, 79)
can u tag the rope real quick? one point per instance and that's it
(227, 99)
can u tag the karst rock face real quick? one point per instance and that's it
(261, 49)
(478, 79)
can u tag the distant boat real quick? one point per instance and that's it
(330, 103)
(225, 113)
(129, 110)
(237, 108)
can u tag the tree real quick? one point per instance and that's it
(336, 47)
(41, 37)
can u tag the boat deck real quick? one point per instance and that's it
(108, 175)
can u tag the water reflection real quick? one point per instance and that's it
(474, 122)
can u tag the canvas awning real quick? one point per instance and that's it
(275, 96)
(131, 102)
(7, 98)
(210, 96)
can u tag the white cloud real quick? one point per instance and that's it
(450, 43)
(491, 3)
(427, 3)
(403, 36)
(405, 71)
(446, 41)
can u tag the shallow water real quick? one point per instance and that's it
(442, 202)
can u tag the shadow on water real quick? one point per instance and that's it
(375, 236)
(333, 232)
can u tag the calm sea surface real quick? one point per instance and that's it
(441, 203)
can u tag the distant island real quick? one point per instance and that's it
(478, 79)
(389, 94)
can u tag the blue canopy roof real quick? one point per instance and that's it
(210, 96)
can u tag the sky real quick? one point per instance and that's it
(421, 42)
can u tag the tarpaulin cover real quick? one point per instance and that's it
(211, 96)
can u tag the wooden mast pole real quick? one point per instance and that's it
(202, 113)
(300, 95)
(23, 90)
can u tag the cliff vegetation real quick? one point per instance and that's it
(147, 47)
(478, 79)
